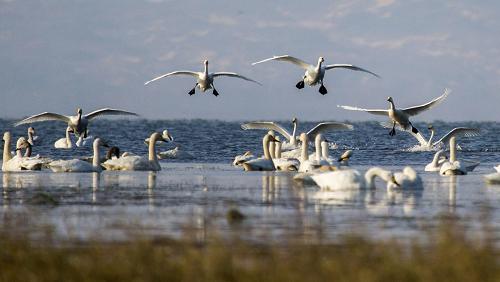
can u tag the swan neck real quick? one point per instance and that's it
(370, 177)
(429, 143)
(265, 147)
(453, 149)
(324, 150)
(30, 137)
(318, 67)
(272, 149)
(6, 150)
(305, 148)
(152, 149)
(435, 160)
(294, 132)
(205, 69)
(317, 145)
(28, 152)
(96, 159)
(277, 153)
(68, 139)
(391, 103)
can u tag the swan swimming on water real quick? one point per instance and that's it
(406, 179)
(78, 165)
(77, 123)
(66, 142)
(314, 74)
(144, 163)
(264, 163)
(18, 162)
(351, 179)
(453, 166)
(204, 79)
(401, 117)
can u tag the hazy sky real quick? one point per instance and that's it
(57, 55)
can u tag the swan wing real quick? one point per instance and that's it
(43, 117)
(458, 132)
(108, 112)
(411, 111)
(351, 67)
(233, 74)
(267, 125)
(191, 73)
(286, 58)
(328, 126)
(371, 111)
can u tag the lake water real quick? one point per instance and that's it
(197, 193)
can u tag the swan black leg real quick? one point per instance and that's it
(393, 130)
(215, 91)
(322, 89)
(191, 92)
(300, 84)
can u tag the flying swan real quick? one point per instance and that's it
(77, 123)
(401, 117)
(204, 80)
(314, 74)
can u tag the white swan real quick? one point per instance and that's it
(205, 80)
(314, 74)
(437, 161)
(401, 117)
(240, 159)
(148, 163)
(77, 165)
(492, 178)
(306, 165)
(311, 134)
(18, 162)
(264, 163)
(78, 123)
(66, 142)
(453, 166)
(351, 179)
(175, 153)
(406, 179)
(284, 163)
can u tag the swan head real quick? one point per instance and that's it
(270, 138)
(166, 135)
(31, 130)
(303, 137)
(321, 60)
(100, 142)
(294, 120)
(79, 111)
(6, 136)
(159, 137)
(205, 62)
(113, 151)
(270, 132)
(22, 143)
(389, 99)
(430, 127)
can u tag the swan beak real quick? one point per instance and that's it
(393, 180)
(272, 139)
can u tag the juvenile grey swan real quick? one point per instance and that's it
(314, 74)
(204, 79)
(401, 117)
(78, 123)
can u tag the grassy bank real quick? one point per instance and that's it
(450, 256)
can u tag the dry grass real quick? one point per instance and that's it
(450, 256)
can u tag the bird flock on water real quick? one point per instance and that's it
(283, 150)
